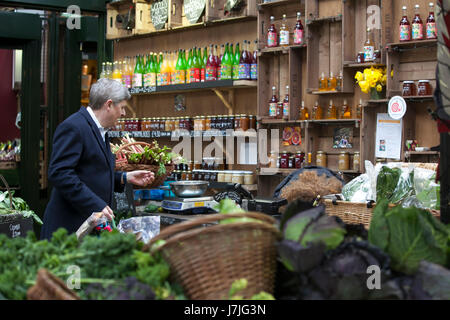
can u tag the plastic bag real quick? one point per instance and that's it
(358, 190)
(405, 185)
(426, 189)
(145, 228)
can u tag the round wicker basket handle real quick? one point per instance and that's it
(9, 191)
(145, 144)
(184, 226)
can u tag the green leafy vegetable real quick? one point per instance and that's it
(387, 180)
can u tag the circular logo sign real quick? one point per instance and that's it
(397, 107)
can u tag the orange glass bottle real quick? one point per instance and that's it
(331, 112)
(317, 112)
(304, 112)
(323, 83)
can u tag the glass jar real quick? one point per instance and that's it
(162, 124)
(331, 112)
(189, 176)
(220, 176)
(360, 57)
(237, 122)
(356, 161)
(208, 123)
(299, 158)
(197, 165)
(244, 122)
(231, 122)
(321, 159)
(377, 56)
(167, 124)
(237, 177)
(409, 88)
(249, 178)
(228, 176)
(252, 122)
(213, 122)
(176, 123)
(291, 163)
(200, 175)
(273, 159)
(424, 88)
(344, 161)
(284, 161)
(183, 175)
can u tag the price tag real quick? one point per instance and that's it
(199, 204)
(397, 107)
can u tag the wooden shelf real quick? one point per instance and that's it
(286, 172)
(419, 153)
(351, 64)
(412, 44)
(282, 50)
(324, 19)
(410, 99)
(277, 3)
(173, 134)
(317, 92)
(324, 121)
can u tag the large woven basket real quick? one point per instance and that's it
(122, 165)
(205, 260)
(356, 213)
(49, 287)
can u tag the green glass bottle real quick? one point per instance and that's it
(137, 75)
(195, 70)
(227, 64)
(179, 69)
(204, 60)
(158, 69)
(189, 67)
(153, 69)
(236, 60)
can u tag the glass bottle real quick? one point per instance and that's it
(405, 27)
(332, 82)
(137, 75)
(346, 112)
(331, 112)
(153, 69)
(220, 58)
(227, 64)
(284, 32)
(323, 83)
(159, 73)
(304, 113)
(359, 108)
(211, 69)
(198, 66)
(272, 34)
(217, 62)
(146, 74)
(317, 112)
(203, 69)
(188, 67)
(417, 25)
(339, 82)
(237, 61)
(286, 108)
(299, 30)
(431, 23)
(244, 63)
(103, 73)
(254, 64)
(369, 47)
(273, 104)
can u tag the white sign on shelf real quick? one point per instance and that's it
(388, 137)
(397, 107)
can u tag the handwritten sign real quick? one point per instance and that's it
(193, 9)
(159, 13)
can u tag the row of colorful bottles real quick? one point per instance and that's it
(415, 30)
(332, 113)
(332, 83)
(279, 109)
(283, 38)
(177, 68)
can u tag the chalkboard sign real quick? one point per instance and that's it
(159, 12)
(193, 9)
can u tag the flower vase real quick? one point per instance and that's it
(375, 95)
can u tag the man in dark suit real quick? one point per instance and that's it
(82, 165)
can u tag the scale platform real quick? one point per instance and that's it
(190, 205)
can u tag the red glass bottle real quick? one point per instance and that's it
(405, 27)
(431, 24)
(272, 38)
(417, 25)
(254, 64)
(211, 69)
(244, 63)
(298, 32)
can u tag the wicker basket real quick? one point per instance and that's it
(49, 287)
(356, 213)
(123, 165)
(205, 261)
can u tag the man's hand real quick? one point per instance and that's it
(140, 178)
(108, 213)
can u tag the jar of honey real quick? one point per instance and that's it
(344, 161)
(303, 112)
(409, 88)
(273, 160)
(331, 111)
(252, 122)
(208, 123)
(356, 161)
(249, 178)
(317, 112)
(237, 121)
(321, 159)
(424, 88)
(245, 122)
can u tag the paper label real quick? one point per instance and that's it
(211, 73)
(417, 31)
(137, 80)
(272, 109)
(226, 72)
(431, 30)
(298, 36)
(272, 39)
(254, 71)
(244, 71)
(368, 53)
(405, 33)
(286, 109)
(284, 37)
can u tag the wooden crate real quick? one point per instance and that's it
(142, 18)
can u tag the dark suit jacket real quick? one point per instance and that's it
(82, 173)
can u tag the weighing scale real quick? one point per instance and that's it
(199, 205)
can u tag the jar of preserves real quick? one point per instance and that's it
(231, 122)
(208, 123)
(183, 175)
(189, 176)
(217, 124)
(356, 161)
(162, 124)
(249, 178)
(213, 122)
(284, 161)
(252, 122)
(167, 124)
(344, 161)
(237, 121)
(321, 159)
(291, 163)
(244, 122)
(228, 176)
(200, 175)
(299, 158)
(176, 123)
(220, 176)
(237, 177)
(197, 165)
(409, 88)
(273, 159)
(424, 88)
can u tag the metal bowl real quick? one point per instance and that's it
(189, 189)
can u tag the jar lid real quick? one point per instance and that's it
(427, 81)
(320, 152)
(408, 82)
(343, 152)
(357, 152)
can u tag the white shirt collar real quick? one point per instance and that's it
(99, 126)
